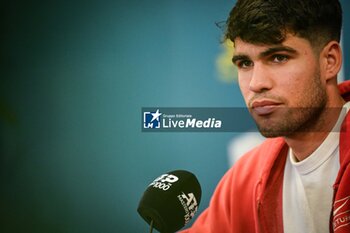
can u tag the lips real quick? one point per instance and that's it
(264, 107)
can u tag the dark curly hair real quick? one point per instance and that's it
(269, 21)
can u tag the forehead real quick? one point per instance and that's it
(300, 45)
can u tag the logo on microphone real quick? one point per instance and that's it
(151, 120)
(164, 182)
(190, 205)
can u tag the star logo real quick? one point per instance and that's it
(151, 119)
(156, 115)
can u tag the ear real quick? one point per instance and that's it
(331, 60)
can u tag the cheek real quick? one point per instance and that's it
(298, 85)
(304, 74)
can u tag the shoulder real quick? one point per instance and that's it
(344, 89)
(235, 191)
(261, 155)
(252, 164)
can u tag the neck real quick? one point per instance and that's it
(303, 144)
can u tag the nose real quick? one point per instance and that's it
(261, 79)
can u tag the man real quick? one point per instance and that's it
(297, 181)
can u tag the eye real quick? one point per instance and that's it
(244, 64)
(279, 58)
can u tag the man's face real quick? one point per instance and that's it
(281, 85)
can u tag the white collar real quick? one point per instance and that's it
(324, 151)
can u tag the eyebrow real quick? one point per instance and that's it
(265, 53)
(236, 58)
(273, 50)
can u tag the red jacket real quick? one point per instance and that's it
(248, 199)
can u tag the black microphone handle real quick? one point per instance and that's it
(151, 226)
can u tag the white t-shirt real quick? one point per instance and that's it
(308, 185)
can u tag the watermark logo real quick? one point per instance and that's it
(200, 119)
(180, 119)
(151, 120)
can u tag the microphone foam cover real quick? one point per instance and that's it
(171, 201)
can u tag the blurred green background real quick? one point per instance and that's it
(73, 78)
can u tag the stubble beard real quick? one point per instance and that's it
(294, 120)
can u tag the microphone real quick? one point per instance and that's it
(170, 201)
